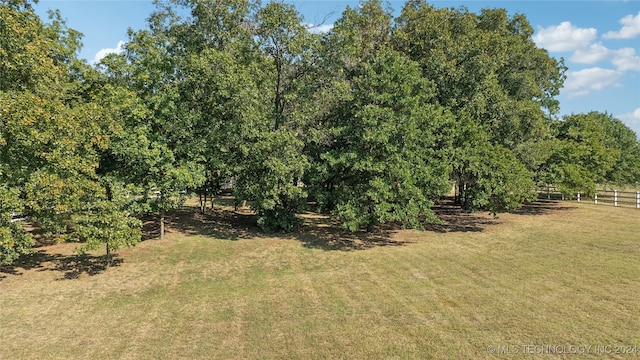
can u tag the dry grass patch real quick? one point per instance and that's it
(551, 274)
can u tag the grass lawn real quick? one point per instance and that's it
(556, 276)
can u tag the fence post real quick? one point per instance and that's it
(615, 197)
(637, 199)
(595, 198)
(548, 196)
(578, 197)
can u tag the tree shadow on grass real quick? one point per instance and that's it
(150, 228)
(69, 266)
(318, 231)
(219, 223)
(541, 207)
(324, 232)
(456, 219)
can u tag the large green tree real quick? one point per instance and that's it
(270, 173)
(167, 161)
(43, 141)
(386, 158)
(490, 74)
(380, 150)
(52, 130)
(486, 67)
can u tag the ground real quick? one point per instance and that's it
(552, 277)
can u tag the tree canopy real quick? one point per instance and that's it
(55, 121)
(372, 121)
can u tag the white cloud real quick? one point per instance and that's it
(632, 117)
(319, 29)
(626, 59)
(104, 52)
(591, 54)
(582, 82)
(630, 28)
(632, 120)
(564, 37)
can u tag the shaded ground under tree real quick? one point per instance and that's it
(222, 221)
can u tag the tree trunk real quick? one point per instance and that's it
(203, 201)
(370, 227)
(108, 255)
(279, 96)
(371, 219)
(464, 201)
(456, 192)
(162, 225)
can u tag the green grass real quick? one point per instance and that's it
(564, 274)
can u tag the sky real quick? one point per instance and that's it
(599, 40)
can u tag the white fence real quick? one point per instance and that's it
(617, 198)
(604, 197)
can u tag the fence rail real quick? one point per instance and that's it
(606, 197)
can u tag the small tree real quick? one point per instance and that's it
(104, 222)
(14, 241)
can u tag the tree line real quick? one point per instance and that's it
(371, 121)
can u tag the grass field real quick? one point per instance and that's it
(558, 277)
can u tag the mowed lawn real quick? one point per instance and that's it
(557, 276)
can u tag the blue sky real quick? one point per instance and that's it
(599, 40)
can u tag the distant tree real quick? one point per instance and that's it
(626, 169)
(490, 177)
(591, 149)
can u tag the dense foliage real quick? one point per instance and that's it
(372, 121)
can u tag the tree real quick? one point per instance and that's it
(165, 161)
(289, 46)
(45, 150)
(220, 86)
(591, 149)
(488, 71)
(379, 152)
(269, 173)
(14, 240)
(485, 67)
(626, 169)
(489, 177)
(52, 130)
(361, 32)
(140, 175)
